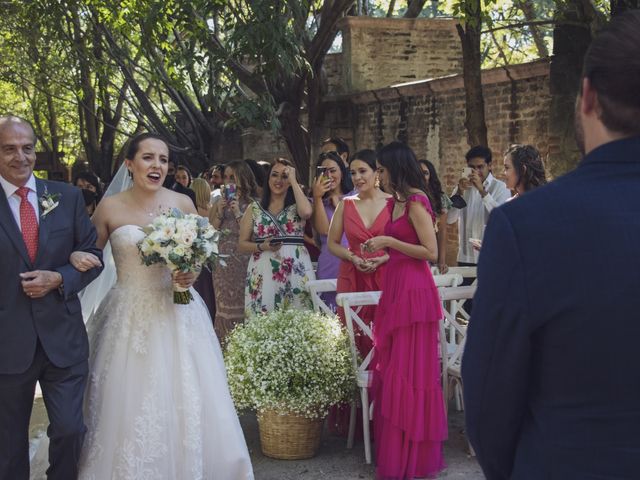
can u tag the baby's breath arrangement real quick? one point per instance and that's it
(290, 361)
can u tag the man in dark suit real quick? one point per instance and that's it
(42, 334)
(551, 367)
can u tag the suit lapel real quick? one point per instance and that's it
(9, 225)
(45, 222)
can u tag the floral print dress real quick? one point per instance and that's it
(278, 279)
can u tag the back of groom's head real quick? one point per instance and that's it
(612, 66)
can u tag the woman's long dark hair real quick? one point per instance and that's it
(528, 166)
(346, 185)
(435, 187)
(289, 199)
(404, 171)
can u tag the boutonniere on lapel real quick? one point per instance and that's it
(49, 202)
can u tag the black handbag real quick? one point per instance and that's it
(457, 201)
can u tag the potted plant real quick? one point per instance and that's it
(290, 366)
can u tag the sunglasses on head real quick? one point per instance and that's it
(333, 155)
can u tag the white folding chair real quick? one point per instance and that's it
(466, 272)
(352, 303)
(316, 287)
(445, 280)
(456, 318)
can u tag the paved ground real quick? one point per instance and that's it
(333, 461)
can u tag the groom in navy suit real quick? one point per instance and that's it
(551, 369)
(42, 334)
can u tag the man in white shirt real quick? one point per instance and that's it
(482, 192)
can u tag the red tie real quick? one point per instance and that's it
(28, 223)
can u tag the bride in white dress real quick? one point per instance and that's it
(157, 404)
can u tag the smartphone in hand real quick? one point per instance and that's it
(466, 171)
(230, 192)
(322, 171)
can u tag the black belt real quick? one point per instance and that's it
(290, 240)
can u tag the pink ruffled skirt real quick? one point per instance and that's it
(409, 410)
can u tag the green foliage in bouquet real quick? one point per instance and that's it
(290, 361)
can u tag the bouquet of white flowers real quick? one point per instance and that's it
(185, 243)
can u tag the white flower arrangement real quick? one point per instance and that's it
(291, 361)
(185, 243)
(49, 202)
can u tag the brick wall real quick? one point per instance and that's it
(379, 52)
(429, 116)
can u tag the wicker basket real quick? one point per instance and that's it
(288, 437)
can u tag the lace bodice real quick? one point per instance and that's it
(131, 272)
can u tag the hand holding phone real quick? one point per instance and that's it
(466, 172)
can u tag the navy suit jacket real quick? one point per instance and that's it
(55, 319)
(551, 370)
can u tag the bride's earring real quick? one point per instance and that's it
(130, 174)
(377, 182)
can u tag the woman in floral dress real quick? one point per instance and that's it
(225, 215)
(272, 230)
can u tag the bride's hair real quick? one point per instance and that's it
(132, 146)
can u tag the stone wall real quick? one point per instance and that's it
(429, 116)
(263, 145)
(333, 72)
(379, 52)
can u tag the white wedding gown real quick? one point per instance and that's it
(157, 404)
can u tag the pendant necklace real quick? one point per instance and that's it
(152, 213)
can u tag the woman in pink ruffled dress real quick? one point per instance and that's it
(409, 412)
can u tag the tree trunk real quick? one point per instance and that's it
(528, 8)
(619, 6)
(570, 43)
(471, 73)
(414, 8)
(296, 136)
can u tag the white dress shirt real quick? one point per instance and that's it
(474, 216)
(14, 200)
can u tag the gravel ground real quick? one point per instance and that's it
(333, 460)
